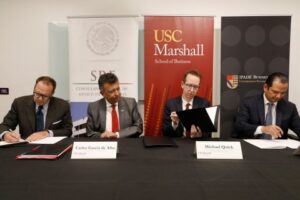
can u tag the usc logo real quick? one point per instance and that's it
(168, 35)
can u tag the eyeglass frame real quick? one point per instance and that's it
(190, 86)
(38, 95)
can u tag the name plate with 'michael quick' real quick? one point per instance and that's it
(218, 150)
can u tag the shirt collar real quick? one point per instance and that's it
(109, 105)
(266, 101)
(184, 102)
(45, 106)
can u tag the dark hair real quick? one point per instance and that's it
(192, 72)
(47, 80)
(276, 76)
(107, 78)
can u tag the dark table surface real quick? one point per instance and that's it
(151, 173)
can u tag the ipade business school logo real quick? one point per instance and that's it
(102, 38)
(232, 81)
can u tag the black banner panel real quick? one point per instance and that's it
(251, 49)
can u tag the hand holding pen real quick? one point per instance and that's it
(11, 137)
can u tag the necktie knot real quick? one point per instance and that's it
(187, 106)
(40, 108)
(270, 104)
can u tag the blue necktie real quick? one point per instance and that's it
(39, 119)
(268, 120)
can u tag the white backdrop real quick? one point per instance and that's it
(100, 45)
(24, 41)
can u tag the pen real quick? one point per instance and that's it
(16, 135)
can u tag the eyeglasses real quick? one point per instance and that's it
(191, 86)
(38, 95)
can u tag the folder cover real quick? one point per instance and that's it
(52, 151)
(160, 141)
(205, 118)
(297, 152)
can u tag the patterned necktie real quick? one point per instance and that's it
(114, 119)
(39, 119)
(268, 120)
(187, 107)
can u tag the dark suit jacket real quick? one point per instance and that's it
(130, 121)
(22, 113)
(176, 105)
(252, 114)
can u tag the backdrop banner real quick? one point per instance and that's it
(99, 45)
(173, 45)
(251, 49)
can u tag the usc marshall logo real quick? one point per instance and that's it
(102, 38)
(232, 81)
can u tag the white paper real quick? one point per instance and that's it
(48, 140)
(218, 150)
(3, 143)
(274, 144)
(293, 144)
(94, 150)
(212, 111)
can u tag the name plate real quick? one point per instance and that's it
(94, 150)
(218, 150)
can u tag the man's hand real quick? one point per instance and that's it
(11, 137)
(108, 134)
(196, 131)
(273, 130)
(174, 118)
(37, 136)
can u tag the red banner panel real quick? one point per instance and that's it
(174, 45)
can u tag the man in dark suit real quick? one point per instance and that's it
(188, 100)
(113, 116)
(268, 115)
(39, 115)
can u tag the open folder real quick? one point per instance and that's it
(48, 151)
(205, 118)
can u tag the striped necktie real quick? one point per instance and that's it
(39, 119)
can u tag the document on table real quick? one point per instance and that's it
(48, 140)
(3, 143)
(274, 144)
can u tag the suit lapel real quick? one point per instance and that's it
(121, 110)
(279, 113)
(197, 103)
(179, 104)
(261, 110)
(50, 113)
(30, 111)
(102, 114)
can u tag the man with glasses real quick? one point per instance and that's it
(188, 100)
(39, 115)
(113, 116)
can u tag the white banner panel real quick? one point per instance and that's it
(99, 45)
